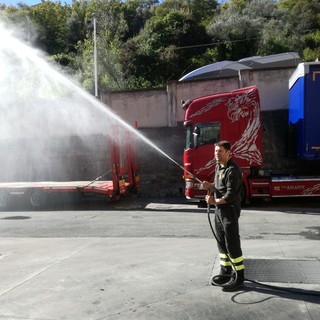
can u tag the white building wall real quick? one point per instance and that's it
(146, 107)
(154, 108)
(272, 85)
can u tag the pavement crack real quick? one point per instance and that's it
(279, 244)
(41, 271)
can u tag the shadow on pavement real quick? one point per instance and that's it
(292, 293)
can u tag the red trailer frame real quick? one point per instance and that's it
(125, 180)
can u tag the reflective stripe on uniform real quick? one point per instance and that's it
(225, 263)
(224, 260)
(237, 262)
(241, 267)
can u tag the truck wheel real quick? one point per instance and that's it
(5, 200)
(37, 199)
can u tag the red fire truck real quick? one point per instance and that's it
(124, 172)
(236, 116)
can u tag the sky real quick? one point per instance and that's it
(33, 2)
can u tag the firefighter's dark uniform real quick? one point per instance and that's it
(228, 185)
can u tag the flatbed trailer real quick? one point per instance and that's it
(36, 194)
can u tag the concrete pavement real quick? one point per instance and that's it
(153, 278)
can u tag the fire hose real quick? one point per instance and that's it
(235, 277)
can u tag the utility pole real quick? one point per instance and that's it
(95, 56)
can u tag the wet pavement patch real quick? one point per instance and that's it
(283, 270)
(313, 233)
(16, 218)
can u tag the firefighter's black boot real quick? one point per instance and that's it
(234, 284)
(224, 276)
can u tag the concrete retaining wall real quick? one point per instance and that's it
(156, 108)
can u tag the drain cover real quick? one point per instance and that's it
(283, 270)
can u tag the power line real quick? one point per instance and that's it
(232, 41)
(215, 43)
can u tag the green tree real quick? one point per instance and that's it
(303, 17)
(159, 52)
(277, 37)
(77, 23)
(111, 27)
(199, 10)
(311, 51)
(144, 43)
(238, 29)
(51, 22)
(239, 5)
(18, 19)
(136, 14)
(203, 11)
(302, 14)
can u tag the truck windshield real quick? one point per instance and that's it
(202, 134)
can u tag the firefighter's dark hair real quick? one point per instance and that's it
(225, 144)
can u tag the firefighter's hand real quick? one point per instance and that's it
(210, 200)
(207, 185)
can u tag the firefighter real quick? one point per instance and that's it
(226, 197)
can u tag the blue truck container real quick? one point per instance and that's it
(304, 109)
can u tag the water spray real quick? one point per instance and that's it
(179, 165)
(27, 55)
(98, 178)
